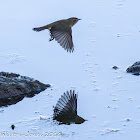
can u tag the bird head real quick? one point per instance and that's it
(73, 21)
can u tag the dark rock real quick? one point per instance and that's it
(13, 88)
(13, 127)
(65, 110)
(136, 74)
(115, 67)
(135, 68)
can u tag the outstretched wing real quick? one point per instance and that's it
(63, 35)
(66, 107)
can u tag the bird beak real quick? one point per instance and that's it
(79, 19)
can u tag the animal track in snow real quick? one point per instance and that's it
(12, 58)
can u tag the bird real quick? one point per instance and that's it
(61, 31)
(65, 110)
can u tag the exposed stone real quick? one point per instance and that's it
(136, 74)
(13, 126)
(13, 88)
(115, 67)
(135, 68)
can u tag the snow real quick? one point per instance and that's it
(108, 35)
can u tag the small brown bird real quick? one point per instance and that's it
(61, 32)
(65, 110)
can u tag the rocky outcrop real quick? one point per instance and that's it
(135, 68)
(13, 88)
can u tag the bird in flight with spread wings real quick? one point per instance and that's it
(61, 31)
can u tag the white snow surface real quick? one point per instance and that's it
(108, 35)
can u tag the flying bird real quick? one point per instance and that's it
(61, 31)
(65, 110)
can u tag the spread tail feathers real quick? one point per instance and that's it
(39, 29)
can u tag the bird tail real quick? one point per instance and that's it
(39, 29)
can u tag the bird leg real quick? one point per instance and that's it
(52, 38)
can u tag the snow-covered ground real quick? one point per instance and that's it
(107, 35)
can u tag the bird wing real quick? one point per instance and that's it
(63, 35)
(66, 107)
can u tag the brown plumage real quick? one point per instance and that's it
(61, 32)
(65, 110)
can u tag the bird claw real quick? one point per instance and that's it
(52, 38)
